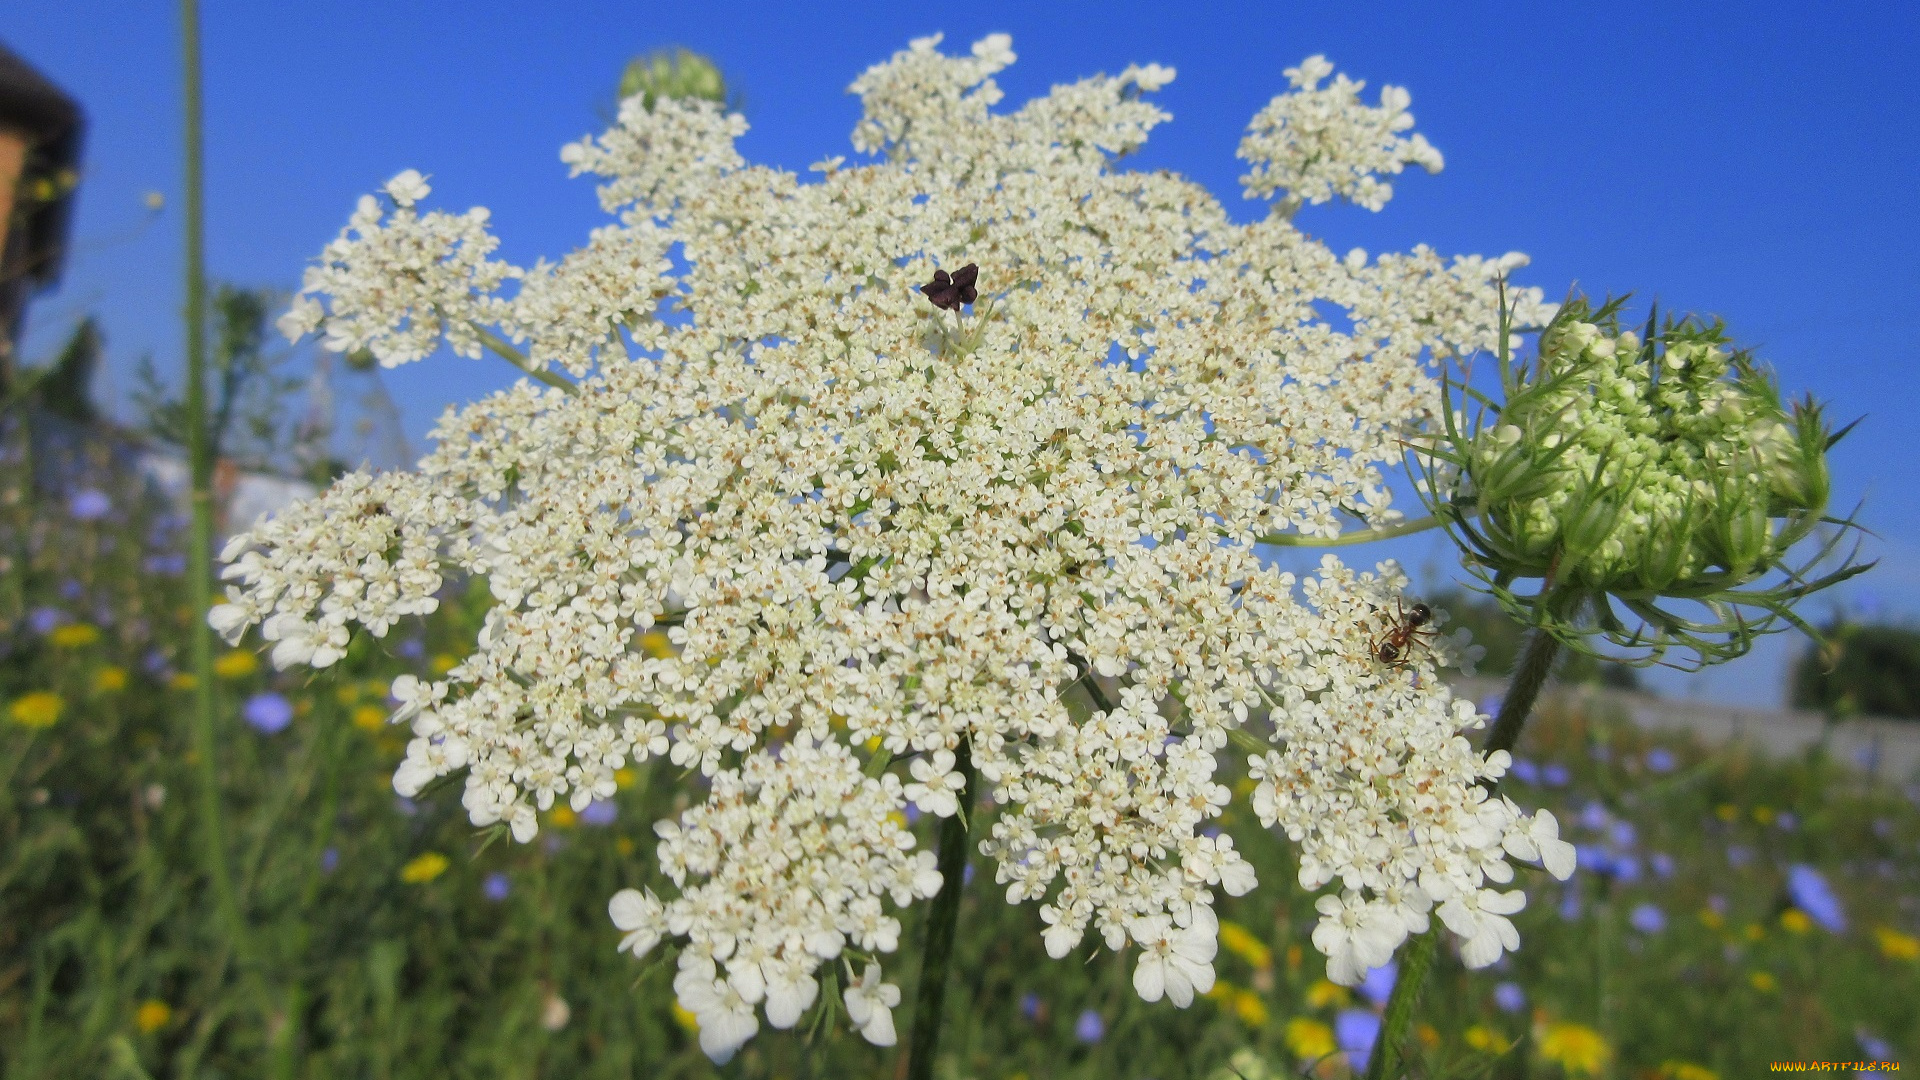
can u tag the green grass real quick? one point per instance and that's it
(112, 963)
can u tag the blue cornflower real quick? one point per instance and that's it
(329, 859)
(1377, 985)
(1623, 834)
(1786, 820)
(1509, 997)
(411, 649)
(496, 886)
(1662, 864)
(1355, 1030)
(1739, 855)
(1089, 1028)
(1626, 869)
(268, 713)
(1570, 905)
(1648, 919)
(1594, 816)
(599, 812)
(1660, 759)
(45, 620)
(1527, 771)
(1556, 775)
(1812, 894)
(88, 504)
(1030, 1005)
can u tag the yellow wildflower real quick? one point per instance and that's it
(346, 693)
(656, 644)
(687, 1021)
(1323, 993)
(1727, 812)
(1711, 919)
(424, 868)
(1755, 931)
(370, 718)
(1764, 982)
(624, 777)
(74, 635)
(183, 681)
(152, 1015)
(1428, 1035)
(1486, 1040)
(1241, 942)
(1763, 814)
(1251, 1010)
(1577, 1048)
(1221, 990)
(109, 679)
(1309, 1039)
(377, 689)
(623, 845)
(562, 817)
(237, 664)
(40, 709)
(1795, 920)
(443, 663)
(1687, 1070)
(1895, 945)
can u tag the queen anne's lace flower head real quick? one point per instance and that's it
(1321, 143)
(1026, 535)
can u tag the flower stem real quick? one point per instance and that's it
(1415, 963)
(518, 359)
(1529, 676)
(937, 951)
(213, 853)
(1365, 536)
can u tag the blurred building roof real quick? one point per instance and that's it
(46, 126)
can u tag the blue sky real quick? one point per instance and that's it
(1754, 161)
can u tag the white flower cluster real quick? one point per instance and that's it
(1321, 143)
(795, 851)
(400, 285)
(857, 517)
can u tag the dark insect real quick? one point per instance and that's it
(948, 293)
(1395, 647)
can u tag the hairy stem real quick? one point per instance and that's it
(937, 952)
(1416, 961)
(1529, 676)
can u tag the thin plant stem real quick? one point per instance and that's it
(1365, 536)
(1529, 676)
(499, 346)
(213, 853)
(937, 952)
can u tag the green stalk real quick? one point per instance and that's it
(937, 951)
(1416, 962)
(511, 355)
(1365, 536)
(200, 541)
(1529, 676)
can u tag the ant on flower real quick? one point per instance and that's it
(1407, 629)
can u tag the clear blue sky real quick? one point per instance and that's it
(1756, 160)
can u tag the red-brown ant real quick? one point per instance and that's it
(1395, 647)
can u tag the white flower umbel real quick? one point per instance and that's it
(858, 517)
(870, 1005)
(1321, 143)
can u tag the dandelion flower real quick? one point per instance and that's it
(39, 709)
(424, 868)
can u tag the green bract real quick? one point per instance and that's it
(1627, 469)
